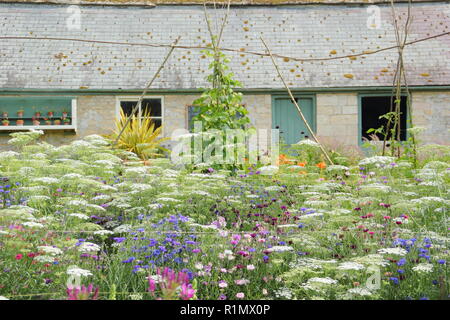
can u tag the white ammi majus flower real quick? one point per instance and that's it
(280, 249)
(423, 268)
(350, 266)
(76, 271)
(395, 251)
(87, 247)
(50, 250)
(325, 281)
(79, 216)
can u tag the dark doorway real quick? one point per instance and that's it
(374, 107)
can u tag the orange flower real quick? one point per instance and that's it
(301, 164)
(303, 172)
(321, 165)
(283, 159)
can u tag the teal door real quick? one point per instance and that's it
(286, 118)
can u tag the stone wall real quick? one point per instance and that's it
(337, 116)
(432, 111)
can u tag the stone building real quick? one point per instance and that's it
(342, 97)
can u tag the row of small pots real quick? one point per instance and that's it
(36, 114)
(21, 122)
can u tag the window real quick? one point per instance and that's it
(372, 107)
(151, 106)
(38, 112)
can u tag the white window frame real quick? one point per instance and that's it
(136, 98)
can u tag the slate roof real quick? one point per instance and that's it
(298, 31)
(187, 2)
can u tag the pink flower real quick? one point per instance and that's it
(223, 284)
(151, 285)
(187, 292)
(241, 282)
(19, 256)
(240, 295)
(250, 267)
(82, 293)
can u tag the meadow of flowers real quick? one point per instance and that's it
(87, 221)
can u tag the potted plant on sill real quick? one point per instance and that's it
(37, 114)
(57, 122)
(5, 122)
(65, 114)
(4, 114)
(48, 122)
(66, 121)
(50, 114)
(20, 113)
(36, 122)
(19, 122)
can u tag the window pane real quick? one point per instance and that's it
(374, 107)
(153, 106)
(127, 107)
(157, 123)
(192, 112)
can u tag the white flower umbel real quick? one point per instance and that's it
(79, 216)
(46, 180)
(393, 251)
(88, 247)
(53, 251)
(280, 249)
(376, 161)
(76, 271)
(423, 268)
(359, 292)
(103, 232)
(32, 224)
(322, 281)
(268, 170)
(308, 142)
(350, 266)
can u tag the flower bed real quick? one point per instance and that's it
(84, 221)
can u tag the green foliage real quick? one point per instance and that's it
(220, 107)
(140, 136)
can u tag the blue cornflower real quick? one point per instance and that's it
(131, 259)
(401, 262)
(394, 279)
(441, 261)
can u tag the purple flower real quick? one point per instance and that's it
(394, 279)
